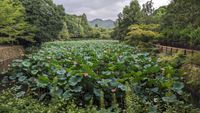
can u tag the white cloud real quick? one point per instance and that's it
(105, 9)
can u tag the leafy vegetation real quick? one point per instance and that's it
(142, 33)
(178, 22)
(100, 76)
(78, 26)
(28, 22)
(13, 26)
(46, 17)
(83, 71)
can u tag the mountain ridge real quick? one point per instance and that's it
(108, 23)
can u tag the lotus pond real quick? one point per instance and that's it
(89, 70)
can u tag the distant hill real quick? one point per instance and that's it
(102, 23)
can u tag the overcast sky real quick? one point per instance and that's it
(104, 9)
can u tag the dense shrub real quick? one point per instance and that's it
(10, 104)
(142, 33)
(100, 33)
(195, 38)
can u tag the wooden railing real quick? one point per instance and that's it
(173, 50)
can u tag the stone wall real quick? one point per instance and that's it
(7, 54)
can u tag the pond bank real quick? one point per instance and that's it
(9, 53)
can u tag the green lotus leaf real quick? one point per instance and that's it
(22, 78)
(169, 99)
(34, 72)
(67, 95)
(26, 63)
(20, 94)
(97, 92)
(77, 89)
(74, 80)
(43, 79)
(177, 87)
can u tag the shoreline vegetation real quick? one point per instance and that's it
(69, 66)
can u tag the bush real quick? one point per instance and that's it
(193, 59)
(10, 104)
(6, 40)
(100, 33)
(142, 33)
(195, 38)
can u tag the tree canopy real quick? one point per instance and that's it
(12, 23)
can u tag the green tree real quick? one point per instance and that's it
(131, 15)
(78, 26)
(182, 17)
(46, 17)
(13, 28)
(142, 33)
(147, 12)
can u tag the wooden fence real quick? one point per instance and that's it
(173, 50)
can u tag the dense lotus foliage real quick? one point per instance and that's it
(84, 70)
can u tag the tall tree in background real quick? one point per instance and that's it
(78, 26)
(180, 24)
(46, 17)
(147, 12)
(12, 24)
(130, 15)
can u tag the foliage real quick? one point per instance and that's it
(100, 33)
(12, 25)
(78, 26)
(158, 15)
(46, 17)
(81, 70)
(195, 38)
(64, 34)
(131, 15)
(6, 40)
(10, 104)
(193, 59)
(180, 23)
(142, 33)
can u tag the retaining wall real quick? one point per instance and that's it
(9, 53)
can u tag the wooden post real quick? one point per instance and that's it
(171, 51)
(185, 52)
(192, 52)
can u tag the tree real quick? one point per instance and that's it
(148, 8)
(147, 12)
(46, 17)
(64, 34)
(96, 25)
(182, 17)
(142, 33)
(12, 23)
(78, 26)
(131, 15)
